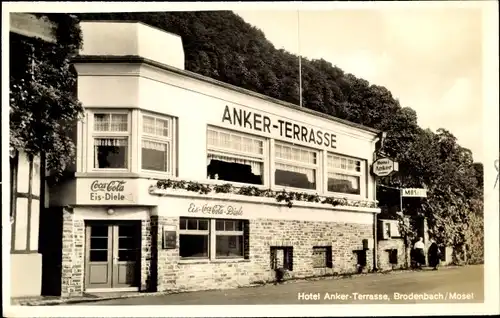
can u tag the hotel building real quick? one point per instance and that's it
(183, 182)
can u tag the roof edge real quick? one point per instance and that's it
(142, 60)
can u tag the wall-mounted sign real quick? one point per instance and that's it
(263, 123)
(383, 167)
(215, 209)
(105, 191)
(169, 237)
(414, 193)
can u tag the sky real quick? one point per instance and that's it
(429, 58)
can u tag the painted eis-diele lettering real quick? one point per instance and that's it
(262, 123)
(216, 209)
(112, 190)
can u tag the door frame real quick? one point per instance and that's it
(112, 241)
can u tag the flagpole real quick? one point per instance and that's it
(300, 60)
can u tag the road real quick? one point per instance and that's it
(447, 285)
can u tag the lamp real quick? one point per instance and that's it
(111, 211)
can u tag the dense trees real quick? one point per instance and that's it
(219, 44)
(43, 105)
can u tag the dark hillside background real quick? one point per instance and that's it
(221, 45)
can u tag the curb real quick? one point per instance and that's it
(69, 300)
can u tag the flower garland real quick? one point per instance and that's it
(280, 196)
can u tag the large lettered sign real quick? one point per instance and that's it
(259, 122)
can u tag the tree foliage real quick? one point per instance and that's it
(43, 103)
(221, 45)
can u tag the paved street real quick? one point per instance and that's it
(447, 283)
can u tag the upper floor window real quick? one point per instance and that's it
(345, 175)
(295, 166)
(156, 143)
(234, 156)
(111, 139)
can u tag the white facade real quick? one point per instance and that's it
(193, 107)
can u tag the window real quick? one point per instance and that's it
(234, 156)
(322, 257)
(156, 144)
(194, 238)
(213, 238)
(111, 140)
(393, 256)
(282, 257)
(387, 230)
(345, 175)
(361, 258)
(229, 238)
(295, 166)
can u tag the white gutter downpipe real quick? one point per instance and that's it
(375, 220)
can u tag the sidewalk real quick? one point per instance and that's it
(55, 300)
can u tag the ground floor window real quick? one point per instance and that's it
(322, 257)
(393, 256)
(229, 238)
(282, 257)
(197, 234)
(361, 258)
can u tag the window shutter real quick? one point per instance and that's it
(381, 231)
(290, 258)
(329, 257)
(246, 240)
(273, 258)
(395, 229)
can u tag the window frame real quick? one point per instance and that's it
(261, 158)
(93, 135)
(187, 231)
(362, 174)
(212, 233)
(170, 140)
(230, 233)
(328, 256)
(317, 167)
(288, 258)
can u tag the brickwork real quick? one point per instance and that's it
(345, 239)
(383, 248)
(73, 260)
(148, 282)
(161, 269)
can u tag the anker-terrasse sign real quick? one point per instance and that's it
(251, 119)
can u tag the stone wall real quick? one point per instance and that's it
(176, 274)
(383, 247)
(161, 269)
(73, 255)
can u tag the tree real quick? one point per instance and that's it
(221, 45)
(43, 103)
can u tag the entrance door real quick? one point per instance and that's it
(112, 255)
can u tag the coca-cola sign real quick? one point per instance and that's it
(111, 186)
(107, 190)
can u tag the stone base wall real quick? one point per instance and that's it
(383, 261)
(73, 255)
(162, 269)
(345, 239)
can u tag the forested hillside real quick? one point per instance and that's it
(221, 45)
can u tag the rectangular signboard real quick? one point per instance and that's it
(414, 193)
(106, 191)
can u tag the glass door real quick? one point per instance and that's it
(112, 255)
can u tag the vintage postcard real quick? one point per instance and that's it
(234, 159)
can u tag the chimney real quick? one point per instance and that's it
(123, 38)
